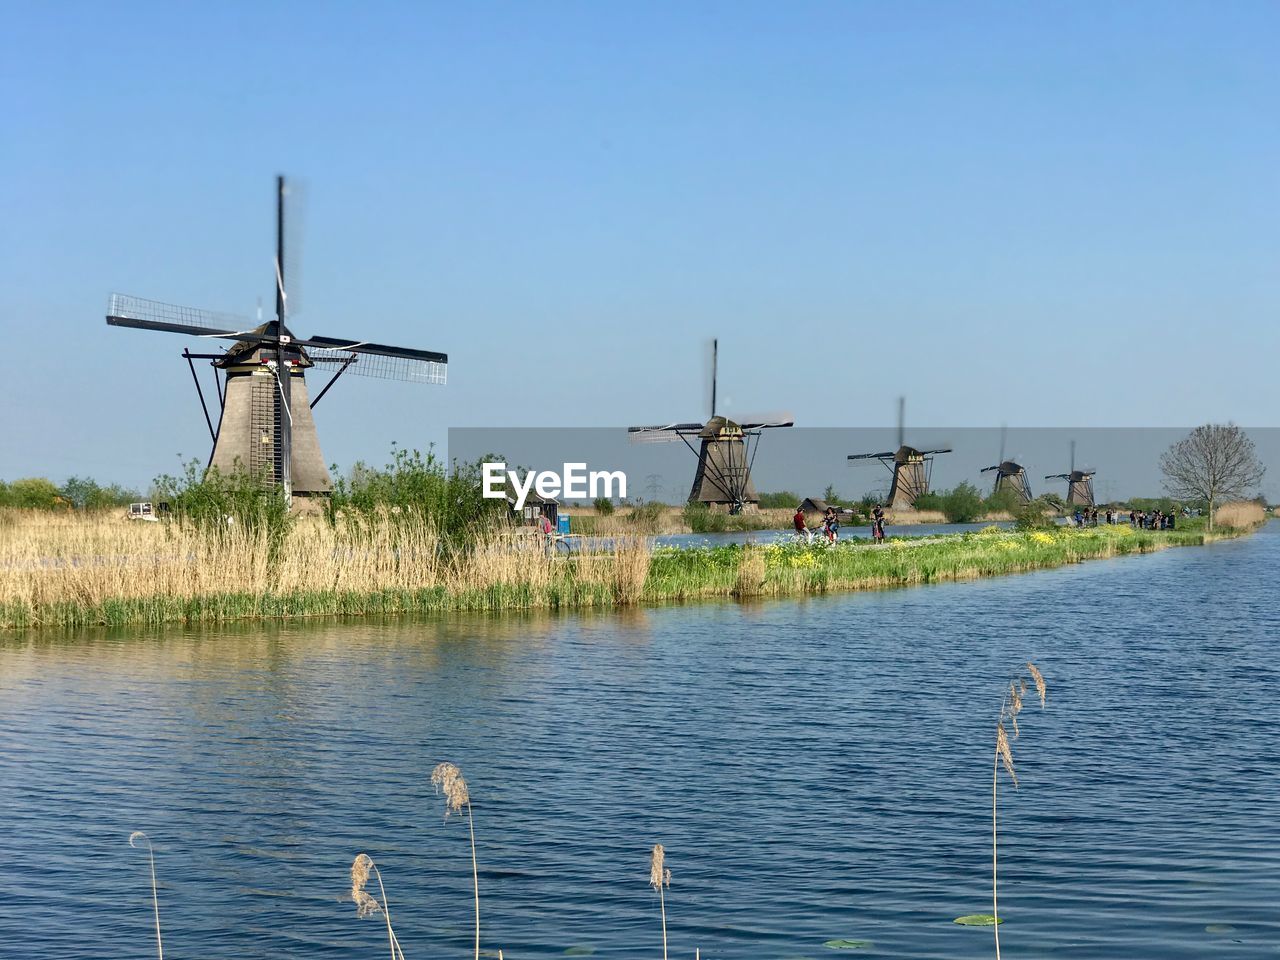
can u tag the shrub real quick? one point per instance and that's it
(416, 488)
(216, 503)
(32, 493)
(702, 519)
(1036, 515)
(963, 504)
(779, 500)
(603, 505)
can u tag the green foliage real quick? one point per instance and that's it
(1036, 515)
(782, 499)
(86, 494)
(31, 493)
(218, 503)
(702, 519)
(647, 513)
(1053, 501)
(603, 505)
(961, 504)
(1003, 501)
(416, 487)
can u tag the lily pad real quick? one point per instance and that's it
(978, 920)
(580, 951)
(848, 944)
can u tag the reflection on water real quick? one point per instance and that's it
(817, 769)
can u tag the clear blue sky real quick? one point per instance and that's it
(1042, 214)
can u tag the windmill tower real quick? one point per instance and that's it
(911, 468)
(726, 451)
(1079, 483)
(1010, 475)
(265, 424)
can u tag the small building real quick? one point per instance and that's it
(535, 507)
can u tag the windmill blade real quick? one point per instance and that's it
(127, 311)
(663, 433)
(989, 469)
(382, 366)
(936, 450)
(710, 370)
(378, 349)
(888, 454)
(763, 421)
(293, 219)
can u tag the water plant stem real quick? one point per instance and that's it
(475, 874)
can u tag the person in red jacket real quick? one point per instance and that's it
(798, 522)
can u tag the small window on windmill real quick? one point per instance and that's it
(264, 436)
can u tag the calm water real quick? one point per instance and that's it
(817, 769)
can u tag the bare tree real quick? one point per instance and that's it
(1214, 462)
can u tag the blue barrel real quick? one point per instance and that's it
(562, 523)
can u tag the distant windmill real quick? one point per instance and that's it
(911, 468)
(265, 423)
(1079, 483)
(1010, 475)
(726, 451)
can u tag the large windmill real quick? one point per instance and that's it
(1010, 475)
(911, 467)
(726, 451)
(264, 421)
(1079, 483)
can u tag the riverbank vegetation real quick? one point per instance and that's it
(66, 570)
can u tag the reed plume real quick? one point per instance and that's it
(1009, 710)
(659, 878)
(366, 904)
(448, 781)
(155, 899)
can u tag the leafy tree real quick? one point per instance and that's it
(85, 494)
(779, 500)
(1214, 462)
(963, 504)
(603, 505)
(31, 493)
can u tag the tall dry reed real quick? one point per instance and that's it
(367, 905)
(660, 878)
(155, 897)
(1009, 710)
(1240, 516)
(752, 571)
(448, 780)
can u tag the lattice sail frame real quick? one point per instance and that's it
(194, 321)
(155, 311)
(381, 367)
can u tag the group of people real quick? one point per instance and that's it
(831, 524)
(1141, 519)
(1155, 520)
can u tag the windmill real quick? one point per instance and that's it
(1079, 483)
(726, 451)
(1010, 475)
(911, 468)
(264, 421)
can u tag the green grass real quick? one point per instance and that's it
(674, 575)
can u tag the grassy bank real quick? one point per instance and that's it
(62, 571)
